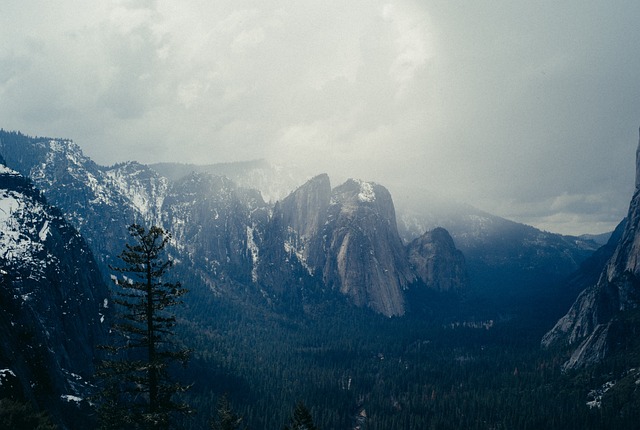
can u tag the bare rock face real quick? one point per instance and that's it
(304, 212)
(437, 262)
(216, 225)
(592, 323)
(227, 239)
(358, 250)
(348, 239)
(53, 301)
(638, 165)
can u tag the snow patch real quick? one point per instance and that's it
(4, 374)
(597, 394)
(17, 228)
(44, 231)
(4, 170)
(146, 194)
(70, 398)
(253, 248)
(8, 205)
(366, 193)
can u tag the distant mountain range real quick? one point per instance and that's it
(64, 218)
(343, 240)
(222, 230)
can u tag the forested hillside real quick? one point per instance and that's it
(316, 301)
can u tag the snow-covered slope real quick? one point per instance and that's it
(51, 297)
(226, 233)
(274, 182)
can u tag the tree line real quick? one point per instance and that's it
(334, 367)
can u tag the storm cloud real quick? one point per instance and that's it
(529, 110)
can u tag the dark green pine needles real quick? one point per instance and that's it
(137, 391)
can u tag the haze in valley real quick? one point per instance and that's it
(527, 110)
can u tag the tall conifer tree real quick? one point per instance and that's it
(227, 419)
(301, 419)
(138, 392)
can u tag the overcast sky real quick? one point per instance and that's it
(528, 110)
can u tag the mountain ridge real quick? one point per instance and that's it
(220, 229)
(593, 326)
(102, 201)
(54, 301)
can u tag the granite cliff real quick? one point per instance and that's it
(595, 323)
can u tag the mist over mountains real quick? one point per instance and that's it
(258, 246)
(604, 316)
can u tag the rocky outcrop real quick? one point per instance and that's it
(216, 227)
(437, 262)
(358, 250)
(228, 240)
(348, 238)
(142, 187)
(302, 214)
(72, 182)
(52, 299)
(305, 209)
(591, 323)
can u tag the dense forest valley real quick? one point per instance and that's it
(475, 365)
(315, 300)
(319, 215)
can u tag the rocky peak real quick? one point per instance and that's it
(358, 250)
(214, 224)
(142, 186)
(52, 295)
(638, 163)
(305, 210)
(590, 324)
(355, 194)
(437, 262)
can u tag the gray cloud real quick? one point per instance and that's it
(527, 110)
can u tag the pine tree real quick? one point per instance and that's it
(226, 418)
(16, 415)
(138, 392)
(301, 419)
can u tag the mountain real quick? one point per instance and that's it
(274, 182)
(93, 200)
(358, 250)
(596, 325)
(348, 239)
(53, 301)
(512, 268)
(494, 242)
(231, 239)
(304, 211)
(437, 262)
(215, 226)
(508, 263)
(226, 238)
(600, 239)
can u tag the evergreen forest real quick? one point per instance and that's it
(354, 369)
